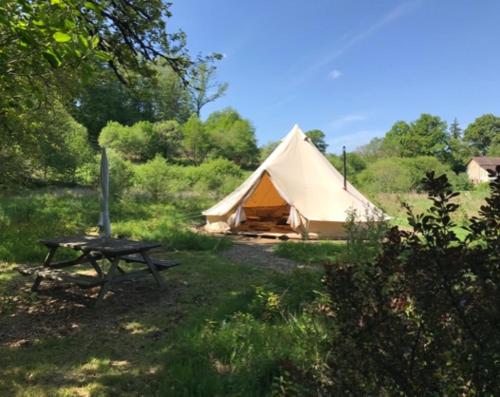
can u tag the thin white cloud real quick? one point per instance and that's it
(346, 120)
(334, 74)
(353, 39)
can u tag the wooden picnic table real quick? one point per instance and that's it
(94, 251)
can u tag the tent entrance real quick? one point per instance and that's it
(265, 209)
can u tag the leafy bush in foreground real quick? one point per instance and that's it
(423, 318)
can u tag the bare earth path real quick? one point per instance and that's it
(257, 252)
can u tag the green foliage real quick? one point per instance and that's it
(52, 51)
(426, 136)
(143, 140)
(152, 98)
(166, 139)
(460, 182)
(232, 137)
(253, 345)
(120, 173)
(52, 147)
(364, 236)
(397, 174)
(195, 141)
(159, 180)
(49, 38)
(482, 133)
(317, 137)
(310, 252)
(422, 317)
(355, 164)
(202, 87)
(267, 149)
(217, 177)
(131, 142)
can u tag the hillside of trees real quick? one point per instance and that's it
(76, 78)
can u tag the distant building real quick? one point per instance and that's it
(477, 168)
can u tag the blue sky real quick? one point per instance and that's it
(350, 68)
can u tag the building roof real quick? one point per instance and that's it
(486, 162)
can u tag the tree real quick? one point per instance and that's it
(355, 164)
(267, 149)
(483, 132)
(166, 140)
(132, 142)
(459, 151)
(195, 140)
(395, 174)
(394, 139)
(232, 137)
(455, 130)
(426, 136)
(48, 49)
(42, 39)
(317, 137)
(372, 150)
(160, 97)
(203, 88)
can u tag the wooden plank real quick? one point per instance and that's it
(108, 246)
(159, 263)
(152, 268)
(44, 273)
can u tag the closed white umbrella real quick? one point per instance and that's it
(104, 222)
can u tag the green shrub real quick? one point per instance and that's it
(422, 318)
(120, 173)
(395, 174)
(217, 177)
(460, 182)
(159, 180)
(132, 142)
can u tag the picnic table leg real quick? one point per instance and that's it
(96, 267)
(46, 263)
(107, 280)
(153, 269)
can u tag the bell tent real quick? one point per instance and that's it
(295, 190)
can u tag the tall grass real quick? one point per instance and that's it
(249, 348)
(24, 219)
(310, 252)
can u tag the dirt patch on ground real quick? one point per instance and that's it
(59, 310)
(257, 252)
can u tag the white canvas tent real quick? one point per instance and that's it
(296, 189)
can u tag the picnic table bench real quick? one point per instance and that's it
(94, 251)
